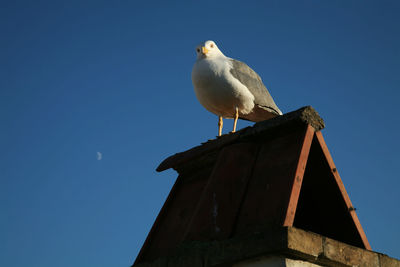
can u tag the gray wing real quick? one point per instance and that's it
(252, 81)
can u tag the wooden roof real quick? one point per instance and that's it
(278, 173)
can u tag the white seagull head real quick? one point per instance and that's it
(208, 49)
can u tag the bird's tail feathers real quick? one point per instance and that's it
(261, 113)
(271, 109)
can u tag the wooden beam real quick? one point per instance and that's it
(298, 176)
(343, 191)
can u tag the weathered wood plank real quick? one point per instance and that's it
(270, 186)
(219, 205)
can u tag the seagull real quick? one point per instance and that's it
(229, 88)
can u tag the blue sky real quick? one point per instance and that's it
(81, 77)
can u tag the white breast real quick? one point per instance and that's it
(217, 90)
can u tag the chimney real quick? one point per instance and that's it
(267, 195)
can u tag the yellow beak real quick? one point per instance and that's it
(204, 50)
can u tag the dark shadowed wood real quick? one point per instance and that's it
(342, 189)
(171, 223)
(322, 207)
(269, 189)
(221, 199)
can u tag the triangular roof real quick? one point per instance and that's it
(277, 173)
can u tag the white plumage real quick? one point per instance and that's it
(229, 88)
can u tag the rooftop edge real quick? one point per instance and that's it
(290, 242)
(302, 116)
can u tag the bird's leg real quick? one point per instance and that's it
(220, 123)
(235, 121)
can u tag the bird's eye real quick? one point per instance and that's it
(211, 45)
(198, 50)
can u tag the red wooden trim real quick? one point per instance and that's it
(342, 190)
(298, 176)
